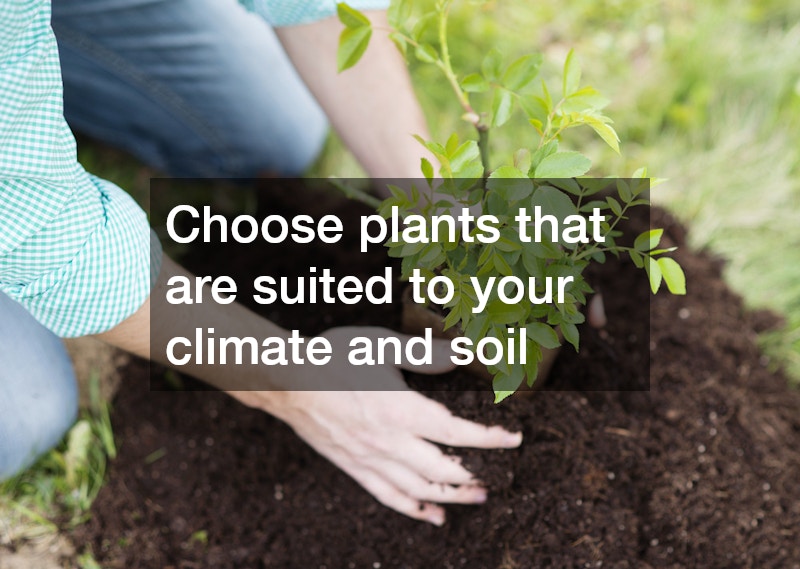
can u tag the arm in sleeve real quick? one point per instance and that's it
(76, 251)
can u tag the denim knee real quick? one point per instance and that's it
(38, 391)
(207, 92)
(256, 146)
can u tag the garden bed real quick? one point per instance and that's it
(701, 471)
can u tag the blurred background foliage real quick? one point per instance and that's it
(705, 94)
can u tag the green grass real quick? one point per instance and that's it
(57, 492)
(718, 115)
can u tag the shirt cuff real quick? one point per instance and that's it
(107, 280)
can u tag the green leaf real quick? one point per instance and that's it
(522, 160)
(427, 169)
(544, 249)
(465, 161)
(534, 262)
(477, 327)
(500, 394)
(548, 99)
(501, 107)
(511, 183)
(543, 335)
(422, 25)
(490, 67)
(624, 191)
(501, 265)
(400, 41)
(572, 74)
(553, 202)
(600, 257)
(425, 52)
(614, 205)
(542, 153)
(399, 13)
(437, 150)
(507, 242)
(432, 256)
(591, 186)
(412, 248)
(585, 98)
(531, 366)
(563, 165)
(399, 193)
(522, 72)
(571, 335)
(673, 275)
(452, 318)
(640, 185)
(352, 44)
(501, 313)
(636, 258)
(474, 83)
(414, 195)
(408, 265)
(505, 384)
(605, 131)
(569, 185)
(655, 252)
(648, 240)
(588, 207)
(451, 145)
(350, 17)
(653, 273)
(534, 107)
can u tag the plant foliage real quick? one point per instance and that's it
(540, 173)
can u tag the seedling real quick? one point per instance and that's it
(540, 178)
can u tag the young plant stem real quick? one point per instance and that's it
(483, 145)
(447, 68)
(547, 136)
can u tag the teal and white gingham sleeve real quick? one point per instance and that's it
(75, 250)
(287, 13)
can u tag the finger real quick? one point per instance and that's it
(391, 497)
(432, 464)
(597, 312)
(414, 485)
(443, 427)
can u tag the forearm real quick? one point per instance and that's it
(145, 335)
(372, 105)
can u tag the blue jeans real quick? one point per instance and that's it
(38, 392)
(196, 88)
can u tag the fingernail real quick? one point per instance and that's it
(513, 439)
(481, 496)
(436, 519)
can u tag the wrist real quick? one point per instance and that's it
(275, 403)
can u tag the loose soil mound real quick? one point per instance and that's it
(701, 471)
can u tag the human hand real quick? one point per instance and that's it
(383, 438)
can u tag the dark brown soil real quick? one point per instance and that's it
(701, 471)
